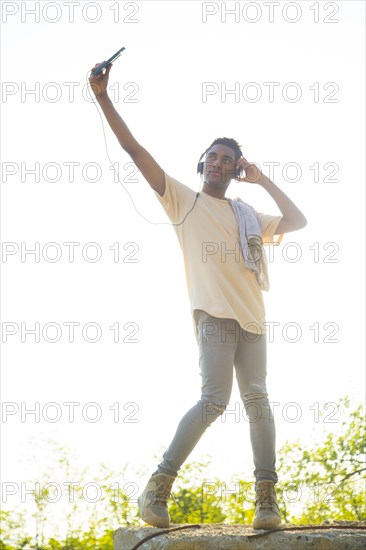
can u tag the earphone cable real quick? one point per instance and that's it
(125, 188)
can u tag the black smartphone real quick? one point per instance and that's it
(104, 65)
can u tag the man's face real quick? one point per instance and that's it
(219, 166)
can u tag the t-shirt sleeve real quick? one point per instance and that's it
(268, 225)
(175, 199)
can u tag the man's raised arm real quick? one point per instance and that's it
(147, 165)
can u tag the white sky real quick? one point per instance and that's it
(170, 55)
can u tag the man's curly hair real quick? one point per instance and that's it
(229, 142)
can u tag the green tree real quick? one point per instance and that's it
(326, 480)
(191, 503)
(12, 530)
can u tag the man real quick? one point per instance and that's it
(226, 303)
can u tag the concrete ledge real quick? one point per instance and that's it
(239, 537)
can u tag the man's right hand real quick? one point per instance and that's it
(99, 83)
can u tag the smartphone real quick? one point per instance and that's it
(104, 65)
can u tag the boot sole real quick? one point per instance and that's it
(151, 521)
(263, 524)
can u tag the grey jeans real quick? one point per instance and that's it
(223, 344)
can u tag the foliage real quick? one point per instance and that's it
(328, 480)
(318, 482)
(190, 503)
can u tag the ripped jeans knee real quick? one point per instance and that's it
(211, 411)
(257, 406)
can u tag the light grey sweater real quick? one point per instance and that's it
(251, 241)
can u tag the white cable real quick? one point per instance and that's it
(129, 194)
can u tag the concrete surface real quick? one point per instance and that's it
(238, 537)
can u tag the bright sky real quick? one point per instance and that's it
(172, 86)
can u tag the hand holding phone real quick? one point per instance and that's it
(101, 67)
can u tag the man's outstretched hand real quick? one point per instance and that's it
(99, 83)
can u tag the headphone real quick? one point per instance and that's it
(201, 164)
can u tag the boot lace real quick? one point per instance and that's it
(266, 495)
(161, 495)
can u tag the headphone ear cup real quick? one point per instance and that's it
(239, 171)
(200, 168)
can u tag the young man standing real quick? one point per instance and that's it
(226, 303)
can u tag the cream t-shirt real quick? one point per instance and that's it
(218, 281)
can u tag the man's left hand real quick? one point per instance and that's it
(253, 174)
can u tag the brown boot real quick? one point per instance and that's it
(153, 501)
(267, 513)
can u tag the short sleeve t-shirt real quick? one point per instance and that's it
(218, 281)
